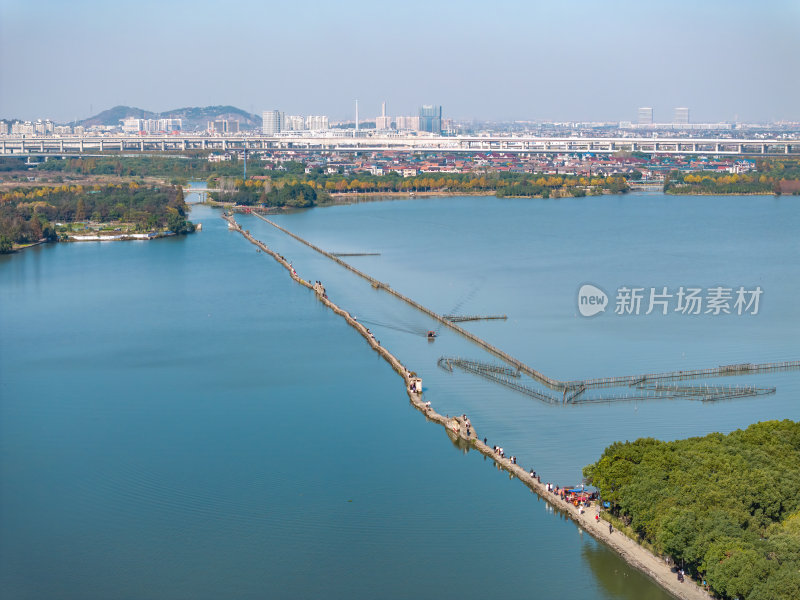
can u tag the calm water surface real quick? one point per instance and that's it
(179, 420)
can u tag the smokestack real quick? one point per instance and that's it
(356, 115)
(383, 109)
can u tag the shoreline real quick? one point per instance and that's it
(671, 193)
(346, 198)
(21, 247)
(389, 195)
(628, 549)
(122, 237)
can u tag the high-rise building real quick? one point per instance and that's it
(293, 123)
(22, 128)
(681, 116)
(383, 122)
(43, 127)
(645, 116)
(272, 122)
(168, 125)
(316, 122)
(411, 123)
(223, 126)
(133, 125)
(430, 118)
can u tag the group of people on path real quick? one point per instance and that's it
(320, 289)
(372, 336)
(498, 450)
(466, 422)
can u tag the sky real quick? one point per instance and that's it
(595, 60)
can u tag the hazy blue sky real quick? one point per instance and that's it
(495, 59)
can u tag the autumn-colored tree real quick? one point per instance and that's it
(80, 210)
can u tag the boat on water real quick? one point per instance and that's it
(431, 336)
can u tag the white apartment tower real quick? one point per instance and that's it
(407, 123)
(316, 122)
(645, 116)
(272, 122)
(293, 123)
(681, 116)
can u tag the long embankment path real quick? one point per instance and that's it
(461, 430)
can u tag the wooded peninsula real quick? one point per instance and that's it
(726, 508)
(29, 215)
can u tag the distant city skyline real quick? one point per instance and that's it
(578, 61)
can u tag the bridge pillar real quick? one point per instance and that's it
(787, 148)
(163, 145)
(141, 145)
(81, 145)
(101, 146)
(694, 147)
(41, 146)
(204, 144)
(224, 145)
(716, 147)
(763, 148)
(183, 144)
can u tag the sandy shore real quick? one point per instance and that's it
(633, 553)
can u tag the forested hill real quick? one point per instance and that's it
(194, 117)
(113, 116)
(725, 506)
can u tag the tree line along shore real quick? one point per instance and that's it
(261, 179)
(771, 176)
(133, 193)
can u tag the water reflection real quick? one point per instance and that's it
(618, 580)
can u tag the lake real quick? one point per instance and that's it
(179, 419)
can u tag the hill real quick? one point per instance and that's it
(112, 116)
(194, 117)
(198, 117)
